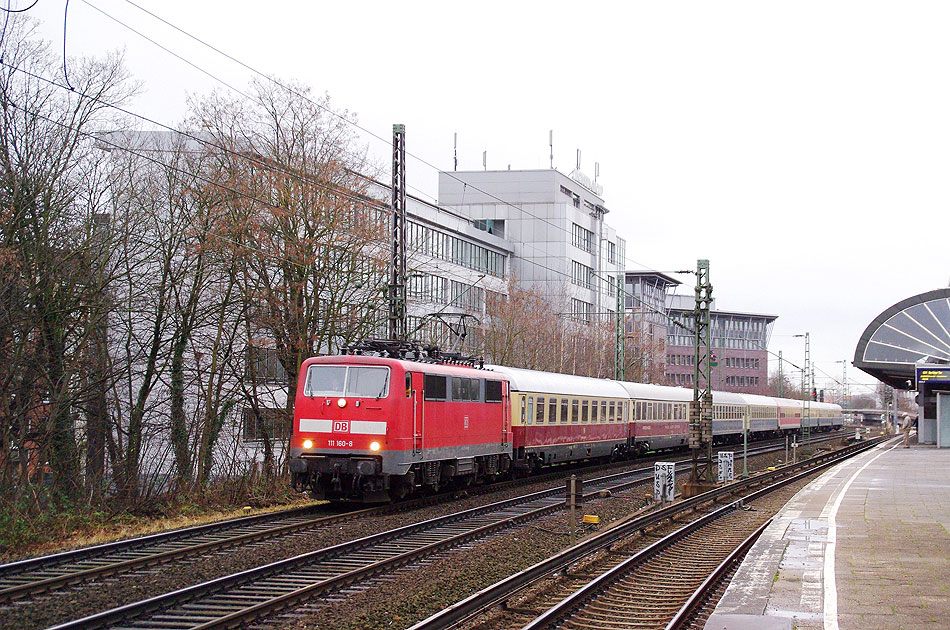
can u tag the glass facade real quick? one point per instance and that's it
(438, 244)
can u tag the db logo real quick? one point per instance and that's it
(341, 427)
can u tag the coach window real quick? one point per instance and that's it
(530, 409)
(611, 411)
(524, 401)
(564, 410)
(552, 411)
(574, 406)
(626, 413)
(603, 411)
(539, 418)
(584, 411)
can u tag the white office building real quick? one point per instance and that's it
(555, 225)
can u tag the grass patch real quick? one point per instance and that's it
(43, 525)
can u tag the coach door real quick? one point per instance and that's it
(414, 390)
(506, 413)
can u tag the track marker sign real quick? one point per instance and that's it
(664, 481)
(726, 466)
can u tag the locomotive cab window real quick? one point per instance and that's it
(326, 380)
(353, 381)
(367, 382)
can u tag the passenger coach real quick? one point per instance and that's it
(561, 418)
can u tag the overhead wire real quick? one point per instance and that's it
(347, 121)
(300, 94)
(370, 133)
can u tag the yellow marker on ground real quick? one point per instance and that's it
(590, 518)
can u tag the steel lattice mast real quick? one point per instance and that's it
(398, 323)
(806, 395)
(619, 358)
(701, 408)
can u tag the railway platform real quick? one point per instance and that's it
(865, 545)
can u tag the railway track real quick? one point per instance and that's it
(237, 599)
(35, 576)
(602, 584)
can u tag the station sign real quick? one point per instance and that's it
(932, 374)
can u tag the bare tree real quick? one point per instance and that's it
(51, 310)
(308, 238)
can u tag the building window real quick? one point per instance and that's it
(581, 310)
(263, 366)
(583, 239)
(492, 226)
(582, 275)
(274, 424)
(429, 241)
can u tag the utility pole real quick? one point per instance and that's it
(813, 394)
(806, 396)
(619, 359)
(398, 323)
(781, 377)
(845, 394)
(701, 408)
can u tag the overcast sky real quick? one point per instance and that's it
(802, 147)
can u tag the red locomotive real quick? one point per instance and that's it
(374, 429)
(370, 428)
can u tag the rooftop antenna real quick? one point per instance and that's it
(485, 160)
(596, 171)
(578, 159)
(455, 151)
(551, 145)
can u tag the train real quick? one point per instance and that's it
(376, 429)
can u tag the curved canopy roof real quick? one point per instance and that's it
(915, 330)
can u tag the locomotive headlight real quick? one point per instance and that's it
(308, 443)
(341, 403)
(374, 446)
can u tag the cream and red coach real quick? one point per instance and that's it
(561, 418)
(370, 429)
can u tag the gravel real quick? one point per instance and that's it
(421, 590)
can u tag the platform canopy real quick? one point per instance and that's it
(915, 330)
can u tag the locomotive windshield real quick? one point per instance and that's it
(342, 380)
